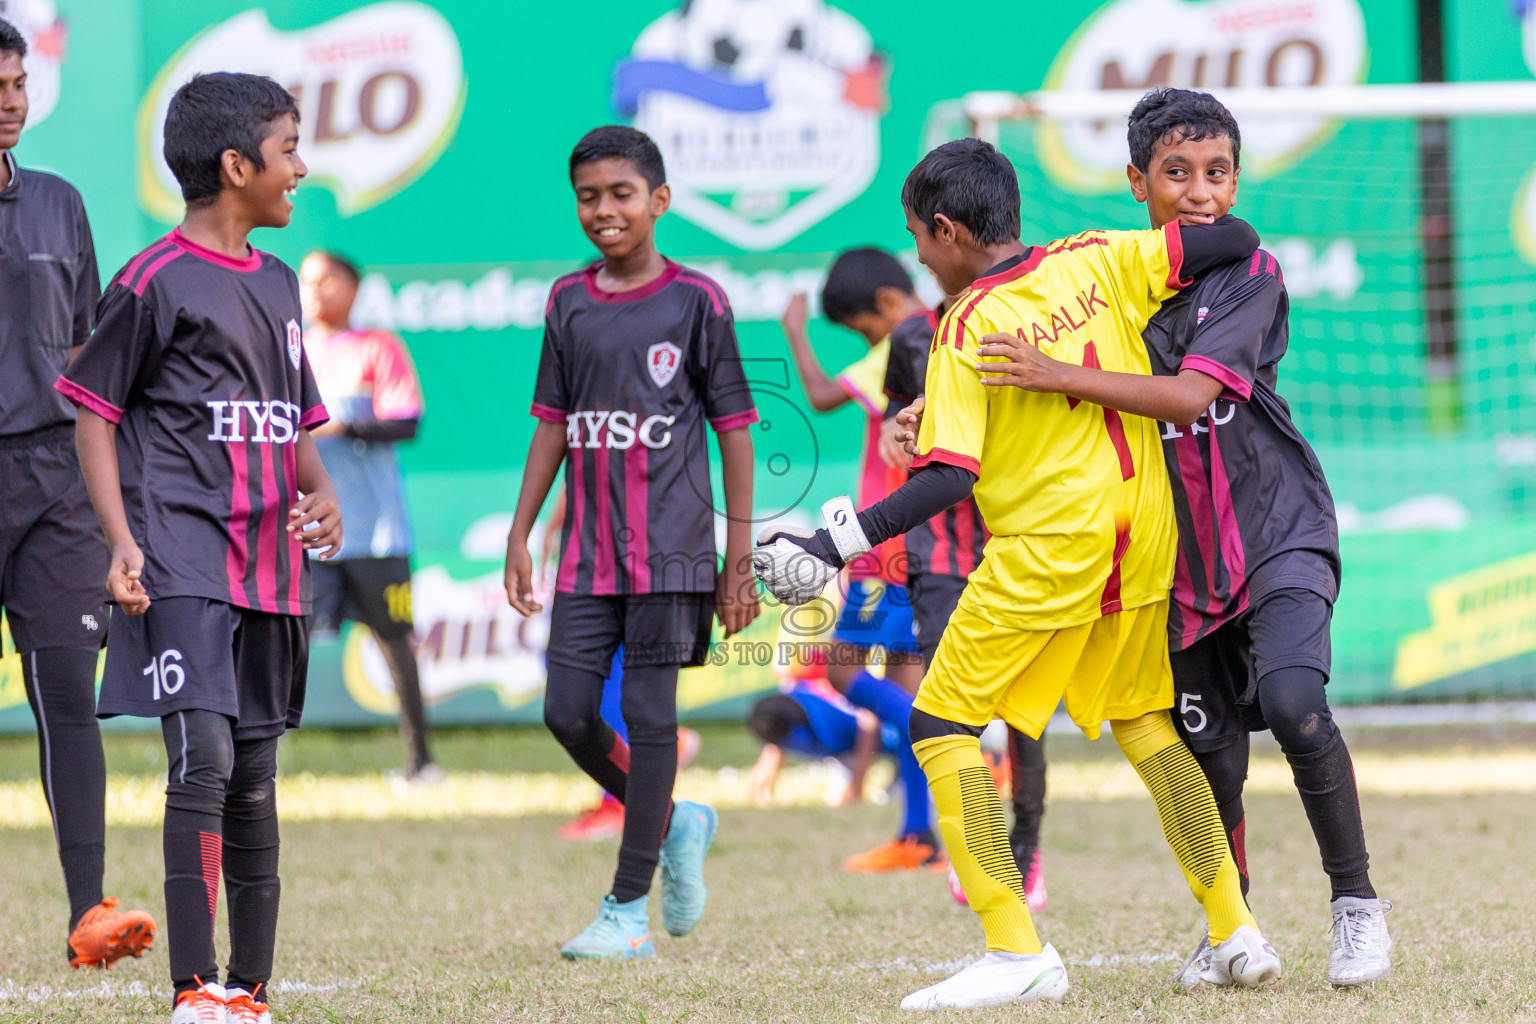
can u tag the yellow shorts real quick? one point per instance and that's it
(1113, 668)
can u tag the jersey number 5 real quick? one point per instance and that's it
(1112, 423)
(167, 673)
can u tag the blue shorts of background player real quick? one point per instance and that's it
(877, 614)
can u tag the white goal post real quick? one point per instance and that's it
(1424, 100)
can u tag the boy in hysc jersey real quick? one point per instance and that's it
(639, 357)
(195, 406)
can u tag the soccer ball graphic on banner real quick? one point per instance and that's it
(750, 40)
(766, 111)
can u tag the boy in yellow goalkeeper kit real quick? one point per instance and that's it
(1071, 600)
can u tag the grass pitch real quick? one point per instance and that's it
(459, 919)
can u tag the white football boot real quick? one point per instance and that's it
(1192, 975)
(995, 979)
(201, 1005)
(1244, 961)
(1362, 949)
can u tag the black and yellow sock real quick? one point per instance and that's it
(971, 821)
(1191, 823)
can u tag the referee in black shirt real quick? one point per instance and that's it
(53, 560)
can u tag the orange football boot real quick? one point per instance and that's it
(897, 855)
(106, 934)
(604, 821)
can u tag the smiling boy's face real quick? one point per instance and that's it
(1190, 182)
(616, 205)
(270, 190)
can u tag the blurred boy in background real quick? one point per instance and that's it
(868, 292)
(374, 398)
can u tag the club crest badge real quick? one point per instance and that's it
(295, 342)
(663, 359)
(1201, 314)
(767, 113)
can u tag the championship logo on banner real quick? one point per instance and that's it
(45, 34)
(767, 113)
(1218, 44)
(380, 93)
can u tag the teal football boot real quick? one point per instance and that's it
(682, 865)
(622, 931)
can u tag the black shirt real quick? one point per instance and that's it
(634, 377)
(1254, 511)
(48, 293)
(199, 360)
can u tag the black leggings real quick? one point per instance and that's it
(61, 689)
(1294, 703)
(1027, 767)
(640, 775)
(220, 819)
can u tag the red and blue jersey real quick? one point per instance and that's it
(366, 377)
(198, 358)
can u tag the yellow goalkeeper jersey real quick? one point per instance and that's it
(1075, 495)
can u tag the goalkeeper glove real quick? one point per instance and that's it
(795, 566)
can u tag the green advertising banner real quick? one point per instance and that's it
(437, 136)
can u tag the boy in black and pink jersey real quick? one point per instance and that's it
(639, 360)
(196, 401)
(1258, 560)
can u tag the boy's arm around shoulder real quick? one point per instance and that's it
(1220, 360)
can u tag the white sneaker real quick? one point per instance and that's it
(1192, 975)
(201, 1005)
(1245, 960)
(242, 1007)
(1362, 949)
(995, 979)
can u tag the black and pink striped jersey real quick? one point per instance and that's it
(198, 359)
(952, 542)
(635, 377)
(1254, 511)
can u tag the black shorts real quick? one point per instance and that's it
(373, 591)
(193, 652)
(934, 597)
(53, 561)
(655, 629)
(1216, 679)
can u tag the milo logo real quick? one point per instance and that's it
(1212, 45)
(380, 92)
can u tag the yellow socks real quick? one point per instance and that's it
(1191, 822)
(971, 822)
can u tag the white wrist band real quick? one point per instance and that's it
(843, 524)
